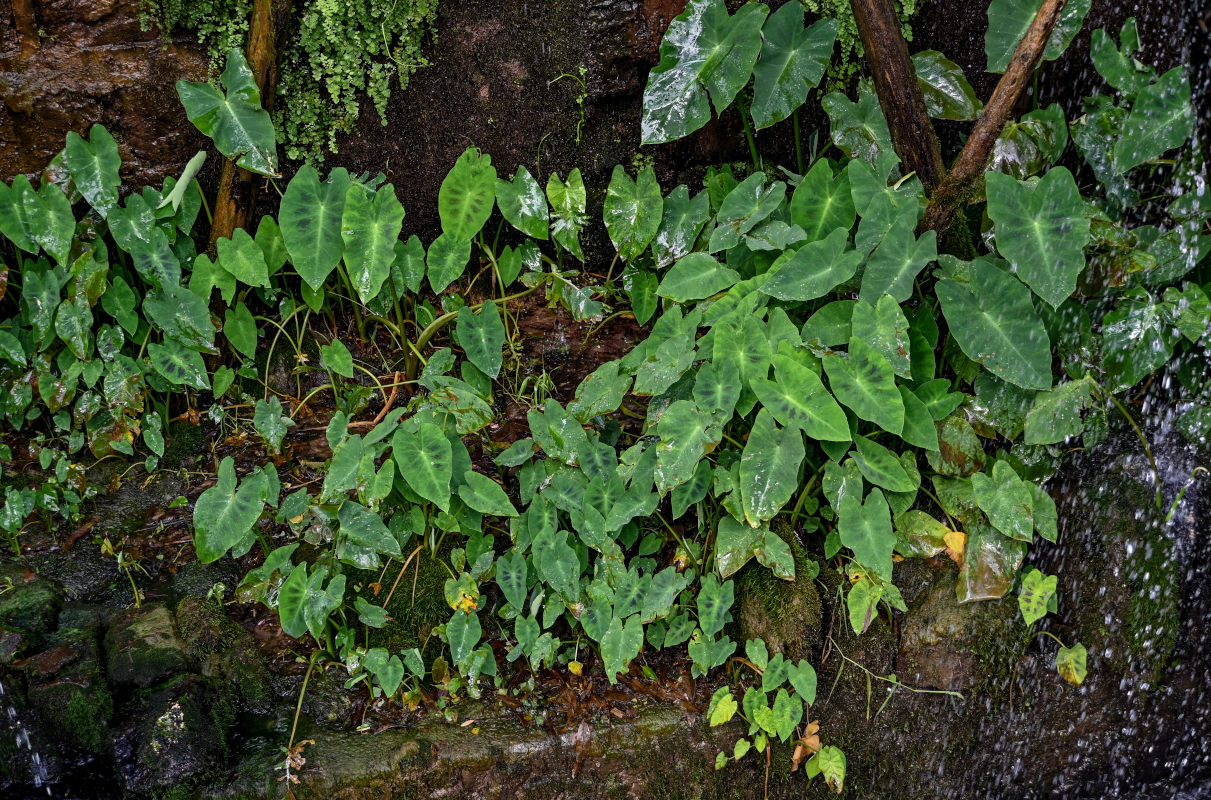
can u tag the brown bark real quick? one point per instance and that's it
(238, 187)
(968, 168)
(912, 133)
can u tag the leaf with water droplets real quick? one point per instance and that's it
(865, 528)
(947, 92)
(1070, 663)
(1036, 592)
(769, 468)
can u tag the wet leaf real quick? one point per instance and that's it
(866, 383)
(793, 60)
(748, 204)
(989, 564)
(271, 423)
(798, 399)
(424, 460)
(467, 195)
(1070, 663)
(680, 224)
(482, 336)
(523, 204)
(1036, 592)
(1008, 21)
(463, 633)
(885, 328)
(224, 514)
(1007, 501)
(813, 270)
(445, 261)
(370, 226)
(1137, 338)
(1161, 118)
(1055, 415)
(881, 467)
(995, 323)
(822, 203)
(860, 129)
(179, 365)
(336, 357)
(947, 92)
(865, 528)
(633, 211)
(243, 258)
(705, 53)
(685, 435)
(568, 210)
(769, 468)
(93, 165)
(240, 128)
(310, 220)
(485, 495)
(694, 277)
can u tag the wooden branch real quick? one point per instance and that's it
(238, 187)
(912, 133)
(968, 168)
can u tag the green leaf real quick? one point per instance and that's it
(620, 644)
(865, 528)
(735, 543)
(862, 603)
(769, 468)
(723, 707)
(243, 259)
(182, 316)
(714, 603)
(995, 323)
(798, 399)
(1031, 144)
(240, 329)
(1117, 66)
(240, 128)
(291, 601)
(685, 434)
(1007, 501)
(947, 92)
(183, 184)
(694, 277)
(179, 365)
(1138, 337)
(93, 166)
(1161, 118)
(466, 196)
(409, 262)
(463, 633)
(523, 204)
(1056, 414)
(633, 211)
(336, 357)
(866, 383)
(680, 224)
(271, 423)
(745, 206)
(793, 60)
(894, 265)
(659, 596)
(511, 573)
(364, 528)
(224, 515)
(885, 328)
(73, 323)
(310, 220)
(802, 677)
(814, 270)
(822, 203)
(41, 218)
(370, 227)
(447, 258)
(788, 714)
(705, 53)
(882, 467)
(568, 210)
(1070, 663)
(829, 762)
(485, 495)
(859, 129)
(1008, 21)
(482, 337)
(1042, 230)
(1036, 592)
(424, 460)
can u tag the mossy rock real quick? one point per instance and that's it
(32, 604)
(418, 603)
(787, 615)
(143, 647)
(68, 689)
(222, 649)
(186, 441)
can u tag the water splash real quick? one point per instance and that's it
(20, 733)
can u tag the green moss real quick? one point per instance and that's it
(185, 442)
(787, 614)
(337, 52)
(1154, 616)
(417, 605)
(842, 70)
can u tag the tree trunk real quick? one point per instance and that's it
(238, 187)
(900, 96)
(968, 170)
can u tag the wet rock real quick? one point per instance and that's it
(174, 734)
(143, 647)
(68, 690)
(327, 700)
(786, 614)
(32, 603)
(223, 650)
(944, 643)
(66, 64)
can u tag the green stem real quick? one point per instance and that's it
(748, 134)
(445, 319)
(298, 709)
(798, 143)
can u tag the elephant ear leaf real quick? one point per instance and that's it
(93, 164)
(706, 57)
(793, 60)
(240, 128)
(224, 514)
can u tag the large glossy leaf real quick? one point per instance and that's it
(466, 196)
(865, 528)
(694, 277)
(93, 165)
(568, 200)
(867, 384)
(798, 399)
(311, 223)
(446, 259)
(885, 328)
(243, 259)
(1042, 230)
(482, 335)
(1008, 21)
(769, 468)
(370, 227)
(224, 514)
(523, 204)
(822, 203)
(705, 54)
(179, 365)
(633, 211)
(37, 218)
(745, 206)
(685, 435)
(995, 323)
(860, 129)
(894, 265)
(680, 225)
(1056, 414)
(1007, 501)
(621, 643)
(1161, 118)
(1031, 144)
(793, 60)
(948, 93)
(182, 316)
(240, 128)
(365, 529)
(1117, 65)
(425, 461)
(814, 270)
(1137, 338)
